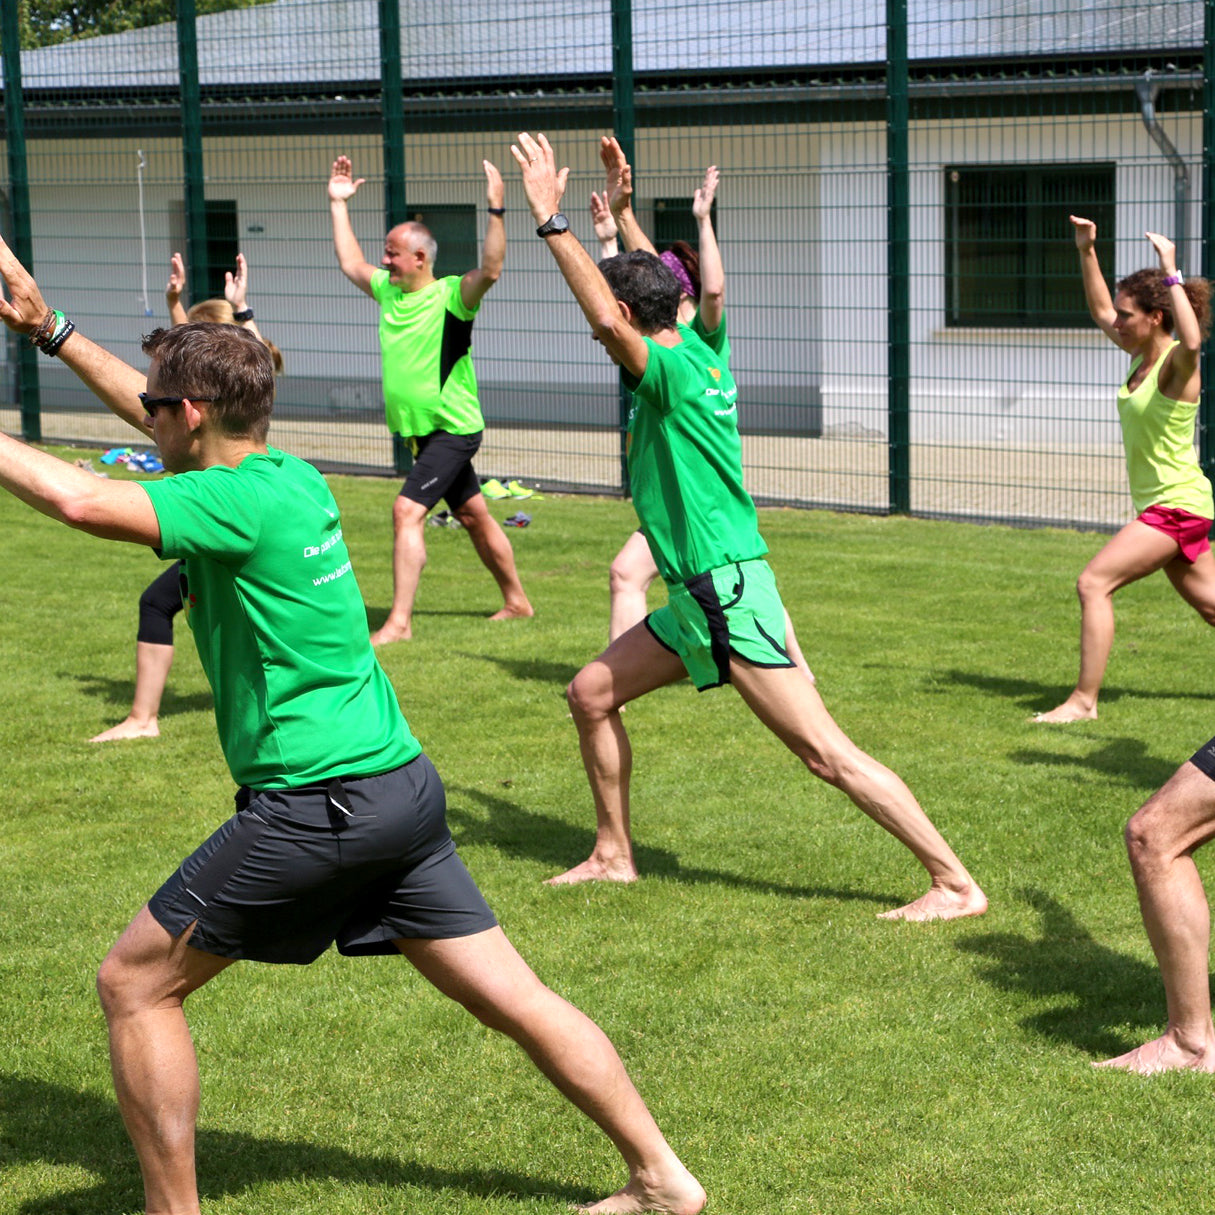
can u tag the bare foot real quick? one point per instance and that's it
(595, 870)
(513, 612)
(128, 729)
(941, 904)
(680, 1194)
(1069, 710)
(1164, 1054)
(387, 633)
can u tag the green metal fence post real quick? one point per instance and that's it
(898, 259)
(1206, 412)
(21, 237)
(392, 131)
(625, 128)
(193, 172)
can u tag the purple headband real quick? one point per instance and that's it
(677, 268)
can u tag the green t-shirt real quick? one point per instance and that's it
(1158, 437)
(426, 348)
(685, 457)
(279, 623)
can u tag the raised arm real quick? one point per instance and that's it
(544, 186)
(476, 283)
(342, 188)
(604, 225)
(1179, 376)
(114, 382)
(236, 292)
(619, 191)
(117, 510)
(175, 288)
(712, 273)
(1096, 293)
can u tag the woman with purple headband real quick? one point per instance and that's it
(702, 282)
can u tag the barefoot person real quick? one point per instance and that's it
(701, 276)
(430, 390)
(340, 831)
(725, 621)
(161, 599)
(1161, 839)
(1157, 405)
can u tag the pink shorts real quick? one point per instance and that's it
(1189, 531)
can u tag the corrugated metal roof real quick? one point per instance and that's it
(320, 42)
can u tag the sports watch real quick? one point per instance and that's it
(554, 224)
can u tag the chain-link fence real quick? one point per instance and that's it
(906, 316)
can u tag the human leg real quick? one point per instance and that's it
(142, 984)
(1195, 582)
(158, 605)
(485, 974)
(792, 709)
(408, 561)
(629, 579)
(795, 650)
(496, 555)
(1161, 839)
(631, 666)
(1136, 551)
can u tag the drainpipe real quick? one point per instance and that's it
(1146, 90)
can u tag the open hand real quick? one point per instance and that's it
(25, 309)
(1165, 250)
(543, 182)
(702, 200)
(176, 285)
(619, 185)
(1085, 232)
(236, 286)
(341, 184)
(601, 217)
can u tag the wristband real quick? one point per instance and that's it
(62, 334)
(496, 210)
(52, 333)
(1174, 280)
(241, 317)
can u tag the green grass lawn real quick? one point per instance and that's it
(801, 1054)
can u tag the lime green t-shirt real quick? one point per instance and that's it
(279, 623)
(426, 352)
(685, 457)
(1158, 437)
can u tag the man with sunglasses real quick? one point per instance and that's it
(340, 832)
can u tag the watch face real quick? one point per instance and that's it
(555, 223)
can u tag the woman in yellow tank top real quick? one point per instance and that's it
(1157, 406)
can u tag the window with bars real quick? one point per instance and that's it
(1010, 258)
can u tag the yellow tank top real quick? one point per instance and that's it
(1158, 437)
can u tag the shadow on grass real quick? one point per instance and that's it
(537, 670)
(1038, 697)
(513, 831)
(377, 615)
(50, 1124)
(1093, 987)
(118, 692)
(1125, 760)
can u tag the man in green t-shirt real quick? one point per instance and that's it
(340, 832)
(430, 390)
(724, 622)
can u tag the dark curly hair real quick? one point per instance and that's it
(1147, 289)
(640, 280)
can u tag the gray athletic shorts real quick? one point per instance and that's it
(360, 861)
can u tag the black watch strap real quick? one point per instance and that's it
(554, 224)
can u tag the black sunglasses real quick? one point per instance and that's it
(152, 404)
